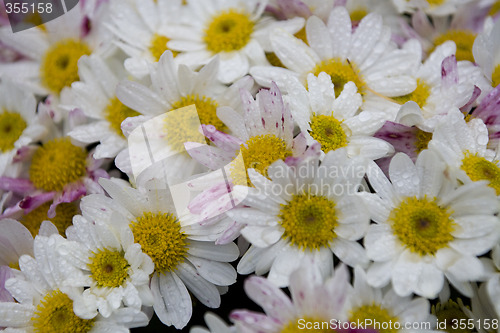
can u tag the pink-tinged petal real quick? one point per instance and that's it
(16, 185)
(200, 202)
(402, 137)
(420, 21)
(275, 12)
(98, 174)
(257, 321)
(449, 72)
(299, 146)
(294, 8)
(24, 153)
(470, 103)
(76, 117)
(70, 193)
(5, 274)
(487, 110)
(222, 140)
(211, 157)
(230, 234)
(30, 203)
(269, 297)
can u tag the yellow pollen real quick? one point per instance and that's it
(358, 14)
(161, 238)
(464, 39)
(423, 139)
(259, 152)
(309, 221)
(422, 225)
(376, 313)
(206, 108)
(59, 66)
(328, 131)
(419, 95)
(108, 268)
(341, 72)
(450, 313)
(302, 35)
(158, 46)
(57, 163)
(274, 60)
(228, 31)
(115, 113)
(435, 3)
(12, 126)
(479, 168)
(495, 8)
(316, 325)
(54, 314)
(62, 220)
(495, 76)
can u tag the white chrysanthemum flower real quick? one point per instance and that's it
(19, 123)
(44, 304)
(148, 216)
(426, 228)
(140, 28)
(431, 7)
(236, 31)
(365, 56)
(486, 51)
(316, 303)
(335, 121)
(51, 54)
(114, 270)
(385, 306)
(95, 96)
(463, 147)
(305, 211)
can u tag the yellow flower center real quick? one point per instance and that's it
(12, 126)
(309, 221)
(328, 131)
(464, 39)
(341, 72)
(14, 265)
(495, 8)
(495, 76)
(54, 314)
(259, 152)
(302, 35)
(423, 139)
(450, 313)
(59, 67)
(108, 268)
(377, 314)
(206, 108)
(273, 59)
(308, 324)
(478, 168)
(358, 14)
(182, 126)
(435, 3)
(161, 238)
(158, 46)
(116, 112)
(228, 31)
(419, 95)
(57, 163)
(422, 225)
(62, 220)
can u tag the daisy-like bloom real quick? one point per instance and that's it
(95, 96)
(426, 228)
(486, 51)
(335, 122)
(140, 28)
(304, 211)
(51, 53)
(263, 135)
(236, 31)
(384, 306)
(365, 56)
(214, 325)
(19, 123)
(44, 304)
(463, 147)
(114, 270)
(431, 7)
(316, 301)
(182, 262)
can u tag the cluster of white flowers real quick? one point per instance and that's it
(154, 152)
